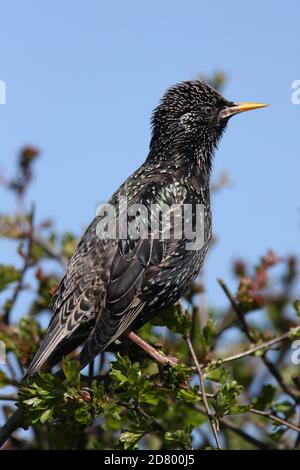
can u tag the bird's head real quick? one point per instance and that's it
(191, 119)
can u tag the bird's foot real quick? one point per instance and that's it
(156, 355)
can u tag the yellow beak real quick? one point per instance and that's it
(240, 108)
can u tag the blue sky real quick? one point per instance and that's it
(83, 77)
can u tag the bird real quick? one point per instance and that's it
(115, 284)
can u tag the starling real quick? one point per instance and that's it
(113, 285)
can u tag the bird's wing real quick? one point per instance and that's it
(135, 259)
(123, 299)
(78, 297)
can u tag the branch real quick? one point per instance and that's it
(23, 234)
(236, 310)
(50, 250)
(287, 335)
(26, 266)
(8, 398)
(275, 418)
(245, 328)
(244, 435)
(211, 418)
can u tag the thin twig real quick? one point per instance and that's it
(236, 309)
(8, 398)
(244, 435)
(203, 394)
(27, 263)
(24, 229)
(265, 414)
(245, 328)
(155, 425)
(275, 418)
(50, 250)
(221, 183)
(159, 427)
(287, 335)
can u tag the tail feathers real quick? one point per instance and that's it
(14, 422)
(45, 350)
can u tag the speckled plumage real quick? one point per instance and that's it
(112, 285)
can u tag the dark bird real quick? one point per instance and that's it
(113, 285)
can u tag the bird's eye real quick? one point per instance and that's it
(208, 110)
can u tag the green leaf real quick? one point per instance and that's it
(130, 439)
(226, 400)
(296, 305)
(209, 332)
(202, 338)
(46, 416)
(175, 318)
(4, 379)
(181, 437)
(150, 397)
(8, 275)
(189, 395)
(123, 371)
(34, 402)
(83, 415)
(218, 375)
(69, 242)
(179, 374)
(71, 369)
(239, 409)
(264, 400)
(286, 407)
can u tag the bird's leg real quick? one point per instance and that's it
(157, 356)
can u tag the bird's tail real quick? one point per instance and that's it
(48, 345)
(14, 422)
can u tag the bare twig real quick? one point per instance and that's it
(221, 183)
(155, 424)
(244, 435)
(8, 398)
(236, 310)
(275, 418)
(50, 250)
(211, 418)
(245, 328)
(23, 231)
(27, 263)
(287, 335)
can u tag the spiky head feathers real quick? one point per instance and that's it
(188, 119)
